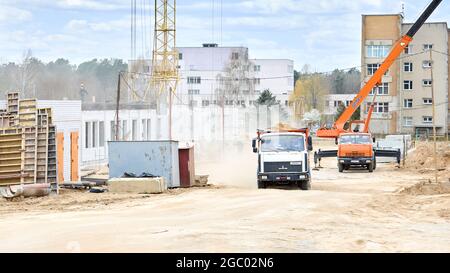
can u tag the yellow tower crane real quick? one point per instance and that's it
(164, 73)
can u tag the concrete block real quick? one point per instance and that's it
(137, 185)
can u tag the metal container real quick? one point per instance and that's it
(159, 158)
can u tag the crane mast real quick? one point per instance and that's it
(398, 48)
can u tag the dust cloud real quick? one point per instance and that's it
(233, 164)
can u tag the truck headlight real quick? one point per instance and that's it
(296, 163)
(302, 176)
(264, 177)
(341, 161)
(368, 161)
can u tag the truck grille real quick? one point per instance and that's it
(354, 154)
(282, 167)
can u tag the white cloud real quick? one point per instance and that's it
(83, 25)
(13, 15)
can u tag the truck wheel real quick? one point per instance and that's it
(305, 185)
(370, 167)
(262, 185)
(346, 167)
(341, 167)
(375, 164)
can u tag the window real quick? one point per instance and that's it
(180, 56)
(427, 120)
(144, 129)
(113, 130)
(408, 103)
(377, 51)
(257, 68)
(427, 101)
(427, 82)
(149, 129)
(94, 134)
(193, 92)
(408, 67)
(408, 49)
(382, 89)
(407, 121)
(381, 107)
(257, 81)
(426, 64)
(87, 130)
(205, 103)
(194, 80)
(192, 103)
(427, 46)
(101, 131)
(407, 85)
(146, 69)
(372, 68)
(134, 129)
(235, 56)
(290, 69)
(124, 130)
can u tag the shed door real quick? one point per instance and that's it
(74, 156)
(60, 156)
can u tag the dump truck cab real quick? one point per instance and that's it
(283, 158)
(356, 149)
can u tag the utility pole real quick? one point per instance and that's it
(116, 131)
(434, 119)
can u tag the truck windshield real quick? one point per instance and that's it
(355, 139)
(283, 144)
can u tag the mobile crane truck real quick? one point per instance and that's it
(355, 147)
(283, 157)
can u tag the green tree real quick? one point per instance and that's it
(267, 98)
(355, 116)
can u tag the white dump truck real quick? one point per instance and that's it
(283, 158)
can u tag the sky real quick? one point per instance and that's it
(322, 33)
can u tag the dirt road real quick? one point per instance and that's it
(350, 212)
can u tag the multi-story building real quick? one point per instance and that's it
(333, 102)
(403, 102)
(211, 74)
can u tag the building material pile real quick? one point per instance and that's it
(27, 143)
(422, 158)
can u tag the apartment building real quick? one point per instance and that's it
(211, 74)
(403, 102)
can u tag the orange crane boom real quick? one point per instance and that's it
(398, 48)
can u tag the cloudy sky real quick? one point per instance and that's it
(323, 33)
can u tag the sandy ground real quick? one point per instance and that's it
(391, 210)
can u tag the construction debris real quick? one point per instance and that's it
(27, 143)
(201, 180)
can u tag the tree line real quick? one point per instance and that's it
(60, 79)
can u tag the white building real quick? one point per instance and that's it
(208, 70)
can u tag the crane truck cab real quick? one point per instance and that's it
(283, 158)
(356, 149)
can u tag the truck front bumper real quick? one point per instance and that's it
(283, 178)
(355, 161)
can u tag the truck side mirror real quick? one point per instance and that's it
(374, 140)
(255, 149)
(336, 141)
(310, 143)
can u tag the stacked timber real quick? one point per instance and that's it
(27, 143)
